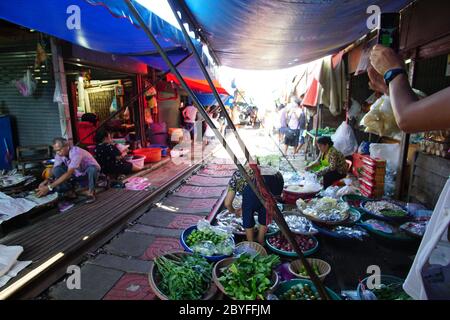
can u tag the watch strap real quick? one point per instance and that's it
(392, 74)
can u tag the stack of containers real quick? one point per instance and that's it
(372, 176)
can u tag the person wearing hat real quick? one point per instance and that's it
(330, 164)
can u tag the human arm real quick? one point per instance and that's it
(332, 160)
(314, 163)
(411, 114)
(45, 189)
(228, 202)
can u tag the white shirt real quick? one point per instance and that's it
(209, 133)
(434, 246)
(189, 114)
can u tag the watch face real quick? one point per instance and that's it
(388, 74)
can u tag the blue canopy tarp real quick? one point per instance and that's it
(106, 26)
(275, 34)
(208, 99)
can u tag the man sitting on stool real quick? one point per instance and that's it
(72, 164)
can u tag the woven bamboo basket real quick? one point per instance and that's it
(323, 266)
(252, 245)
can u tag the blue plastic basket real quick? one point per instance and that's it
(164, 149)
(183, 237)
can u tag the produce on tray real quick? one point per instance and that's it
(210, 240)
(304, 188)
(231, 221)
(385, 208)
(280, 242)
(249, 277)
(417, 228)
(300, 292)
(185, 278)
(353, 216)
(380, 226)
(304, 273)
(325, 209)
(269, 160)
(351, 232)
(393, 291)
(299, 224)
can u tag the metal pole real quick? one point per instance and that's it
(211, 85)
(279, 219)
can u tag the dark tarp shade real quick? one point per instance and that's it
(275, 34)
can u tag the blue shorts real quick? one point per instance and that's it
(251, 203)
(282, 130)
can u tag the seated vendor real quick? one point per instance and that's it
(251, 204)
(110, 158)
(72, 164)
(330, 164)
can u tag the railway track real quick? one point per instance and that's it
(123, 253)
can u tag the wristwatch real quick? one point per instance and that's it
(49, 186)
(392, 74)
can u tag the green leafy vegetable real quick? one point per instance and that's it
(249, 277)
(186, 278)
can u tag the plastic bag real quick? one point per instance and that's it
(330, 192)
(387, 151)
(344, 139)
(348, 189)
(355, 110)
(206, 248)
(380, 119)
(26, 85)
(364, 147)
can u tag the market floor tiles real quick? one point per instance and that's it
(131, 287)
(95, 282)
(161, 245)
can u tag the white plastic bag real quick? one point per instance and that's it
(348, 189)
(26, 85)
(344, 139)
(387, 151)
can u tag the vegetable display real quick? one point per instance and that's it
(379, 226)
(249, 277)
(351, 232)
(391, 292)
(207, 242)
(385, 208)
(280, 242)
(417, 228)
(325, 209)
(198, 236)
(304, 273)
(185, 278)
(300, 292)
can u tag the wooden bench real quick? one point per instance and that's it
(32, 154)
